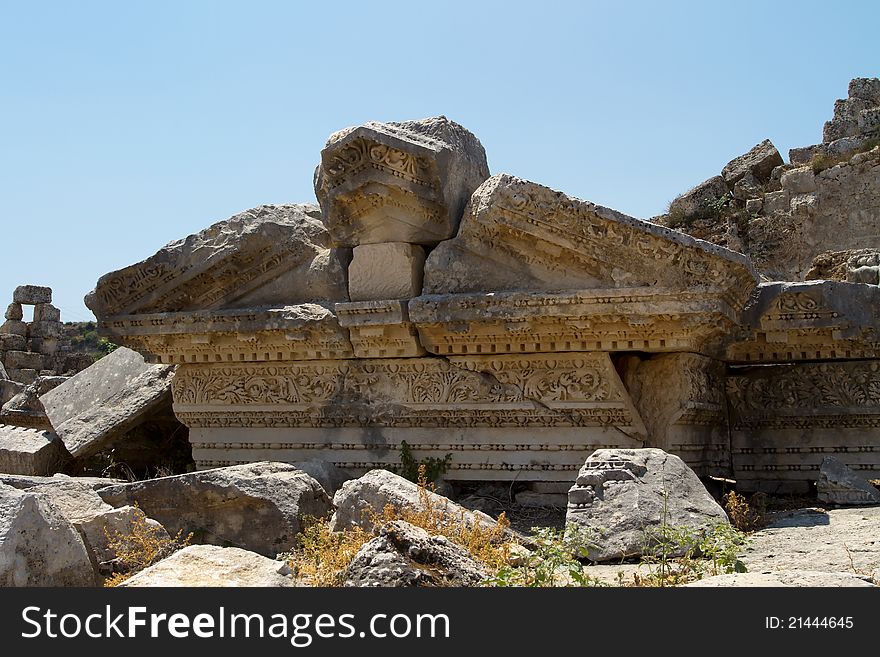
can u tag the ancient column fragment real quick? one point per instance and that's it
(398, 182)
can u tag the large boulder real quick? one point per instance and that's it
(838, 484)
(38, 546)
(759, 161)
(406, 555)
(360, 501)
(98, 405)
(258, 506)
(208, 565)
(622, 495)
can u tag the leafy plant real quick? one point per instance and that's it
(409, 467)
(554, 561)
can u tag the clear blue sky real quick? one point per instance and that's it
(128, 124)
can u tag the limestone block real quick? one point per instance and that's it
(619, 494)
(838, 484)
(24, 482)
(864, 267)
(799, 181)
(45, 329)
(32, 294)
(398, 182)
(46, 312)
(24, 375)
(777, 202)
(804, 155)
(208, 565)
(259, 506)
(94, 407)
(518, 235)
(8, 387)
(14, 327)
(379, 329)
(841, 128)
(24, 360)
(45, 346)
(12, 342)
(14, 311)
(38, 547)
(29, 451)
(361, 500)
(392, 270)
(747, 187)
(406, 555)
(804, 204)
(699, 198)
(271, 255)
(759, 161)
(754, 205)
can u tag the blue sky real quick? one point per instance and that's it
(126, 124)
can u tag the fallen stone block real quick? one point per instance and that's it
(361, 500)
(406, 555)
(24, 482)
(398, 182)
(32, 294)
(699, 198)
(622, 495)
(759, 161)
(207, 565)
(25, 409)
(325, 473)
(24, 360)
(38, 547)
(9, 388)
(94, 407)
(838, 484)
(258, 506)
(30, 451)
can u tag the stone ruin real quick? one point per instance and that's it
(519, 329)
(29, 349)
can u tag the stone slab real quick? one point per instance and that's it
(32, 294)
(27, 451)
(391, 270)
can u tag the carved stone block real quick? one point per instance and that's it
(398, 182)
(392, 270)
(380, 329)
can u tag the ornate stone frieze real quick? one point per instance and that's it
(380, 329)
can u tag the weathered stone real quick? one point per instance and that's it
(699, 198)
(273, 254)
(392, 270)
(32, 294)
(621, 494)
(12, 342)
(24, 375)
(866, 89)
(24, 482)
(804, 155)
(258, 506)
(406, 555)
(45, 329)
(14, 327)
(398, 182)
(96, 406)
(804, 204)
(380, 328)
(9, 388)
(811, 578)
(46, 312)
(864, 267)
(530, 498)
(325, 473)
(14, 312)
(45, 346)
(844, 147)
(38, 547)
(361, 500)
(747, 187)
(869, 121)
(759, 161)
(29, 451)
(754, 205)
(26, 409)
(24, 360)
(777, 202)
(208, 565)
(838, 129)
(838, 484)
(518, 235)
(799, 181)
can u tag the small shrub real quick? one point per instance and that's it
(322, 555)
(142, 547)
(746, 516)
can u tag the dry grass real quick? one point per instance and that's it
(746, 515)
(145, 545)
